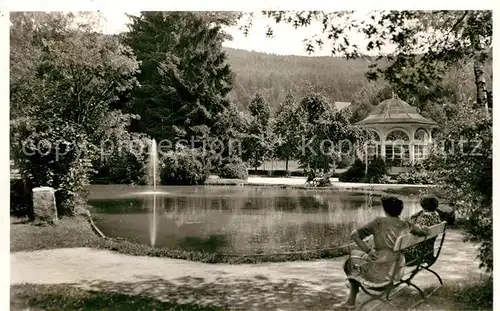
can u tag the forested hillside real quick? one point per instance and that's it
(273, 76)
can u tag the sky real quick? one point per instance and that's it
(286, 40)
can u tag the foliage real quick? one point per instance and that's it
(462, 163)
(184, 75)
(124, 155)
(20, 200)
(276, 76)
(385, 179)
(229, 128)
(184, 166)
(288, 127)
(326, 133)
(65, 79)
(345, 161)
(376, 170)
(367, 98)
(257, 143)
(355, 173)
(415, 177)
(234, 169)
(418, 57)
(476, 295)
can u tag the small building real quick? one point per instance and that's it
(401, 135)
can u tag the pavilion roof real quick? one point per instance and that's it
(395, 110)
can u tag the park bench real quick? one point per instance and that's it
(384, 292)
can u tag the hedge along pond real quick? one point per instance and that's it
(236, 221)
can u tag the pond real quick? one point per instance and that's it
(234, 220)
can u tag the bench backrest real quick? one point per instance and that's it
(409, 239)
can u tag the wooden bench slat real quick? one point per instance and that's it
(408, 240)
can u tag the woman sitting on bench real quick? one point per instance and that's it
(373, 266)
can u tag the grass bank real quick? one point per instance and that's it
(475, 294)
(66, 297)
(77, 232)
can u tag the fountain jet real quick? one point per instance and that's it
(153, 162)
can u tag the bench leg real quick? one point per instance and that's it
(417, 288)
(437, 275)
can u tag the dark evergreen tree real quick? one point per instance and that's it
(184, 75)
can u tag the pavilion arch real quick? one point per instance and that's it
(422, 135)
(397, 147)
(376, 135)
(398, 134)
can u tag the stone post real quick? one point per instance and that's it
(44, 204)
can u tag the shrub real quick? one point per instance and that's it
(297, 173)
(183, 167)
(355, 173)
(385, 179)
(258, 172)
(281, 173)
(233, 169)
(20, 199)
(344, 162)
(415, 177)
(125, 168)
(376, 170)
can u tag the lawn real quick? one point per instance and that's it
(65, 297)
(459, 296)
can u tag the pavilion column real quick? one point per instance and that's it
(383, 133)
(412, 151)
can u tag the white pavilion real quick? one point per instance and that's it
(401, 135)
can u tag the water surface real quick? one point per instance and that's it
(238, 220)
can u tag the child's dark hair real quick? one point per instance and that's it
(392, 205)
(429, 203)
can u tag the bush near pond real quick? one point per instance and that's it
(20, 199)
(415, 177)
(128, 169)
(355, 173)
(183, 167)
(233, 169)
(377, 170)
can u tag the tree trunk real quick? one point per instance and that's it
(286, 164)
(255, 161)
(480, 80)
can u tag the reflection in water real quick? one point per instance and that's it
(240, 220)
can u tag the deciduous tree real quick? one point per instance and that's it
(64, 80)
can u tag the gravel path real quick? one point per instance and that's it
(312, 285)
